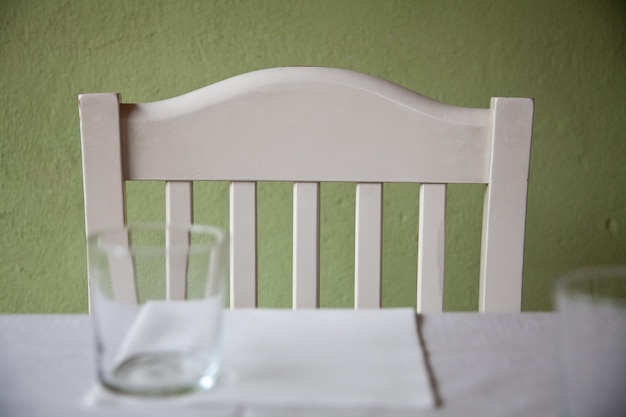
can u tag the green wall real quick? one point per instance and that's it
(568, 55)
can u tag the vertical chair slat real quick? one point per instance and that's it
(431, 248)
(368, 245)
(306, 245)
(243, 245)
(178, 211)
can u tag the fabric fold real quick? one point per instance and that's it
(312, 358)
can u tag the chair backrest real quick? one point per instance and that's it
(309, 125)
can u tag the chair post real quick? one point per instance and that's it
(103, 175)
(504, 213)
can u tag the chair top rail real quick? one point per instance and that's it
(274, 78)
(335, 125)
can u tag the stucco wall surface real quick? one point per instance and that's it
(569, 55)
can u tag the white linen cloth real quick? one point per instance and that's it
(311, 358)
(483, 365)
(173, 326)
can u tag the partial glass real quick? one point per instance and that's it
(157, 295)
(592, 310)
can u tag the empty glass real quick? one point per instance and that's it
(592, 308)
(156, 296)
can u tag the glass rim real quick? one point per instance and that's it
(568, 283)
(122, 249)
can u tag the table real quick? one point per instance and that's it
(480, 364)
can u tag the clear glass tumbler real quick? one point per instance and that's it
(592, 311)
(156, 299)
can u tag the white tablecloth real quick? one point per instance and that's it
(480, 364)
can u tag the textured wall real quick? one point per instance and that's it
(569, 55)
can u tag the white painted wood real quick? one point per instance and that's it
(122, 272)
(431, 248)
(103, 183)
(316, 116)
(308, 125)
(306, 236)
(178, 211)
(368, 245)
(102, 161)
(504, 213)
(243, 245)
(179, 202)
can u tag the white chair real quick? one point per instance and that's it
(310, 125)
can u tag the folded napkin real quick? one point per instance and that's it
(173, 325)
(313, 358)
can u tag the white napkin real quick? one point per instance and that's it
(313, 358)
(173, 325)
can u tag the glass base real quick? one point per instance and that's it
(163, 373)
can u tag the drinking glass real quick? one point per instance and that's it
(156, 299)
(592, 311)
